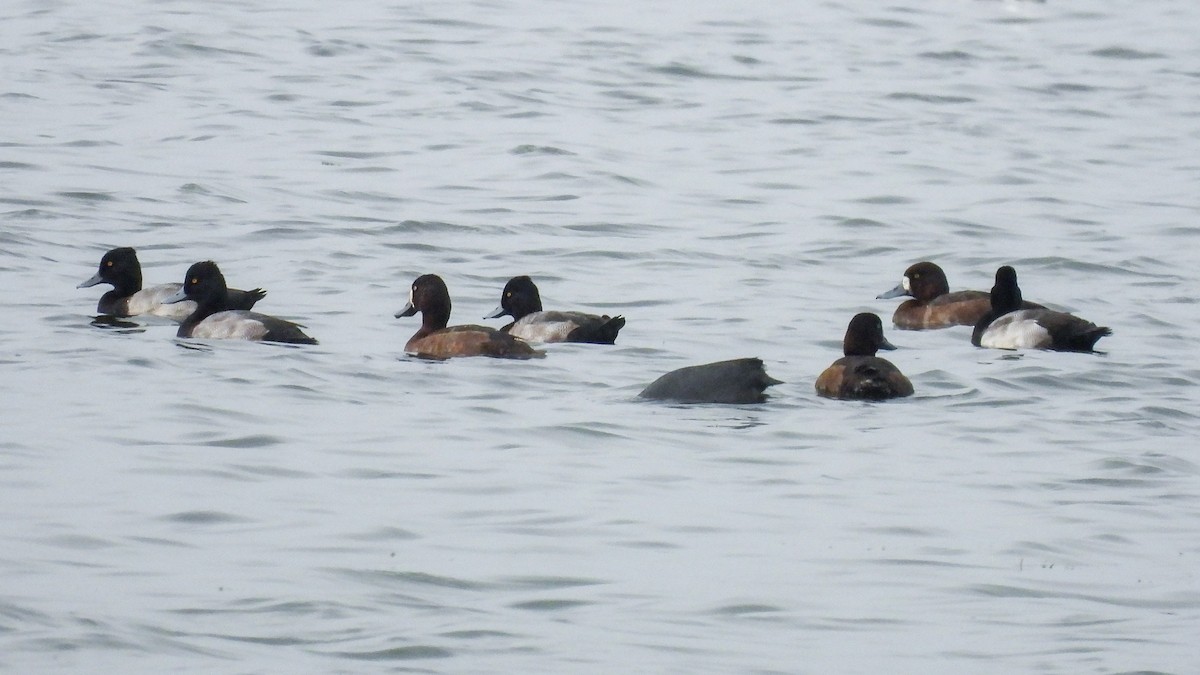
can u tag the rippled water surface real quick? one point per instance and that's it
(736, 181)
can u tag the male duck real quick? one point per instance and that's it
(521, 300)
(1007, 326)
(205, 286)
(120, 267)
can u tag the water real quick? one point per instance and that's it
(736, 182)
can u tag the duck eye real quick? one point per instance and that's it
(108, 264)
(195, 281)
(508, 294)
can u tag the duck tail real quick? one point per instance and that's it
(1087, 340)
(602, 334)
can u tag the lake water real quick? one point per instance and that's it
(736, 181)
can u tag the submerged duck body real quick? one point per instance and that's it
(860, 375)
(933, 305)
(1007, 326)
(522, 301)
(430, 297)
(734, 381)
(121, 268)
(205, 286)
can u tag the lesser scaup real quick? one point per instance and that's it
(933, 305)
(1007, 326)
(205, 285)
(521, 300)
(860, 374)
(120, 267)
(431, 298)
(734, 381)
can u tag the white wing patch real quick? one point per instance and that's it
(232, 324)
(1016, 330)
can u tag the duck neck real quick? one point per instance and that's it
(127, 282)
(1006, 299)
(205, 308)
(857, 345)
(432, 320)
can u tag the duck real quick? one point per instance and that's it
(933, 305)
(120, 267)
(860, 375)
(521, 300)
(205, 286)
(430, 296)
(1007, 326)
(735, 381)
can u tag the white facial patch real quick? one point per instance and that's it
(905, 285)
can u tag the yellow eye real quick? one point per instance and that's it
(508, 294)
(108, 264)
(195, 281)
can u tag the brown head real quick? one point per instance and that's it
(923, 281)
(431, 298)
(864, 336)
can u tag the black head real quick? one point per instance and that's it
(429, 296)
(519, 298)
(119, 267)
(1006, 294)
(864, 336)
(203, 284)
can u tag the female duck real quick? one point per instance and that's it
(205, 286)
(860, 374)
(120, 267)
(933, 305)
(523, 303)
(1008, 326)
(734, 381)
(431, 298)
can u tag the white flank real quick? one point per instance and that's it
(538, 327)
(150, 301)
(1016, 330)
(233, 324)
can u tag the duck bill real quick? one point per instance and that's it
(177, 296)
(91, 282)
(407, 310)
(884, 344)
(896, 292)
(495, 313)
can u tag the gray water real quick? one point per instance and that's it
(736, 181)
